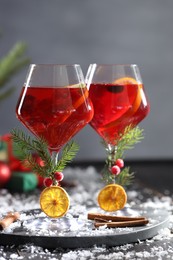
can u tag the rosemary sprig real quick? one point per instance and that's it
(126, 141)
(26, 146)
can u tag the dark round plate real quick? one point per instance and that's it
(76, 232)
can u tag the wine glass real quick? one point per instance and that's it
(54, 104)
(119, 101)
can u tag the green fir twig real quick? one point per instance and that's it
(126, 141)
(68, 154)
(125, 178)
(26, 146)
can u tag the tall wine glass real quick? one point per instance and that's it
(54, 104)
(119, 100)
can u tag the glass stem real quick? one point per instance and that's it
(54, 156)
(111, 149)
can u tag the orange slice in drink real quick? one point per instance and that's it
(135, 105)
(138, 98)
(112, 197)
(81, 99)
(84, 94)
(54, 201)
(125, 80)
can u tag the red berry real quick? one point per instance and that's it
(120, 163)
(115, 170)
(48, 182)
(59, 176)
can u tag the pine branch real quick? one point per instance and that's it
(68, 154)
(108, 178)
(27, 146)
(126, 141)
(23, 141)
(125, 178)
(33, 164)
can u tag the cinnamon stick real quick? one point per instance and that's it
(132, 223)
(101, 220)
(9, 219)
(94, 216)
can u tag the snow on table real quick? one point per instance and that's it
(84, 197)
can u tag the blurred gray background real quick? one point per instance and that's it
(98, 31)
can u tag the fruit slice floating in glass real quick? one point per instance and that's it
(135, 101)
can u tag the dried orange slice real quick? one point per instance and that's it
(54, 201)
(112, 197)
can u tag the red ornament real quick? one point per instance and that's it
(115, 170)
(48, 182)
(120, 163)
(59, 176)
(17, 165)
(5, 173)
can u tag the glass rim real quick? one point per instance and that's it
(54, 64)
(109, 65)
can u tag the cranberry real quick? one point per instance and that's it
(48, 182)
(59, 176)
(120, 163)
(115, 170)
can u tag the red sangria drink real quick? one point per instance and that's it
(118, 98)
(117, 105)
(55, 113)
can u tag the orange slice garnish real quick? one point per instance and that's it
(54, 201)
(112, 197)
